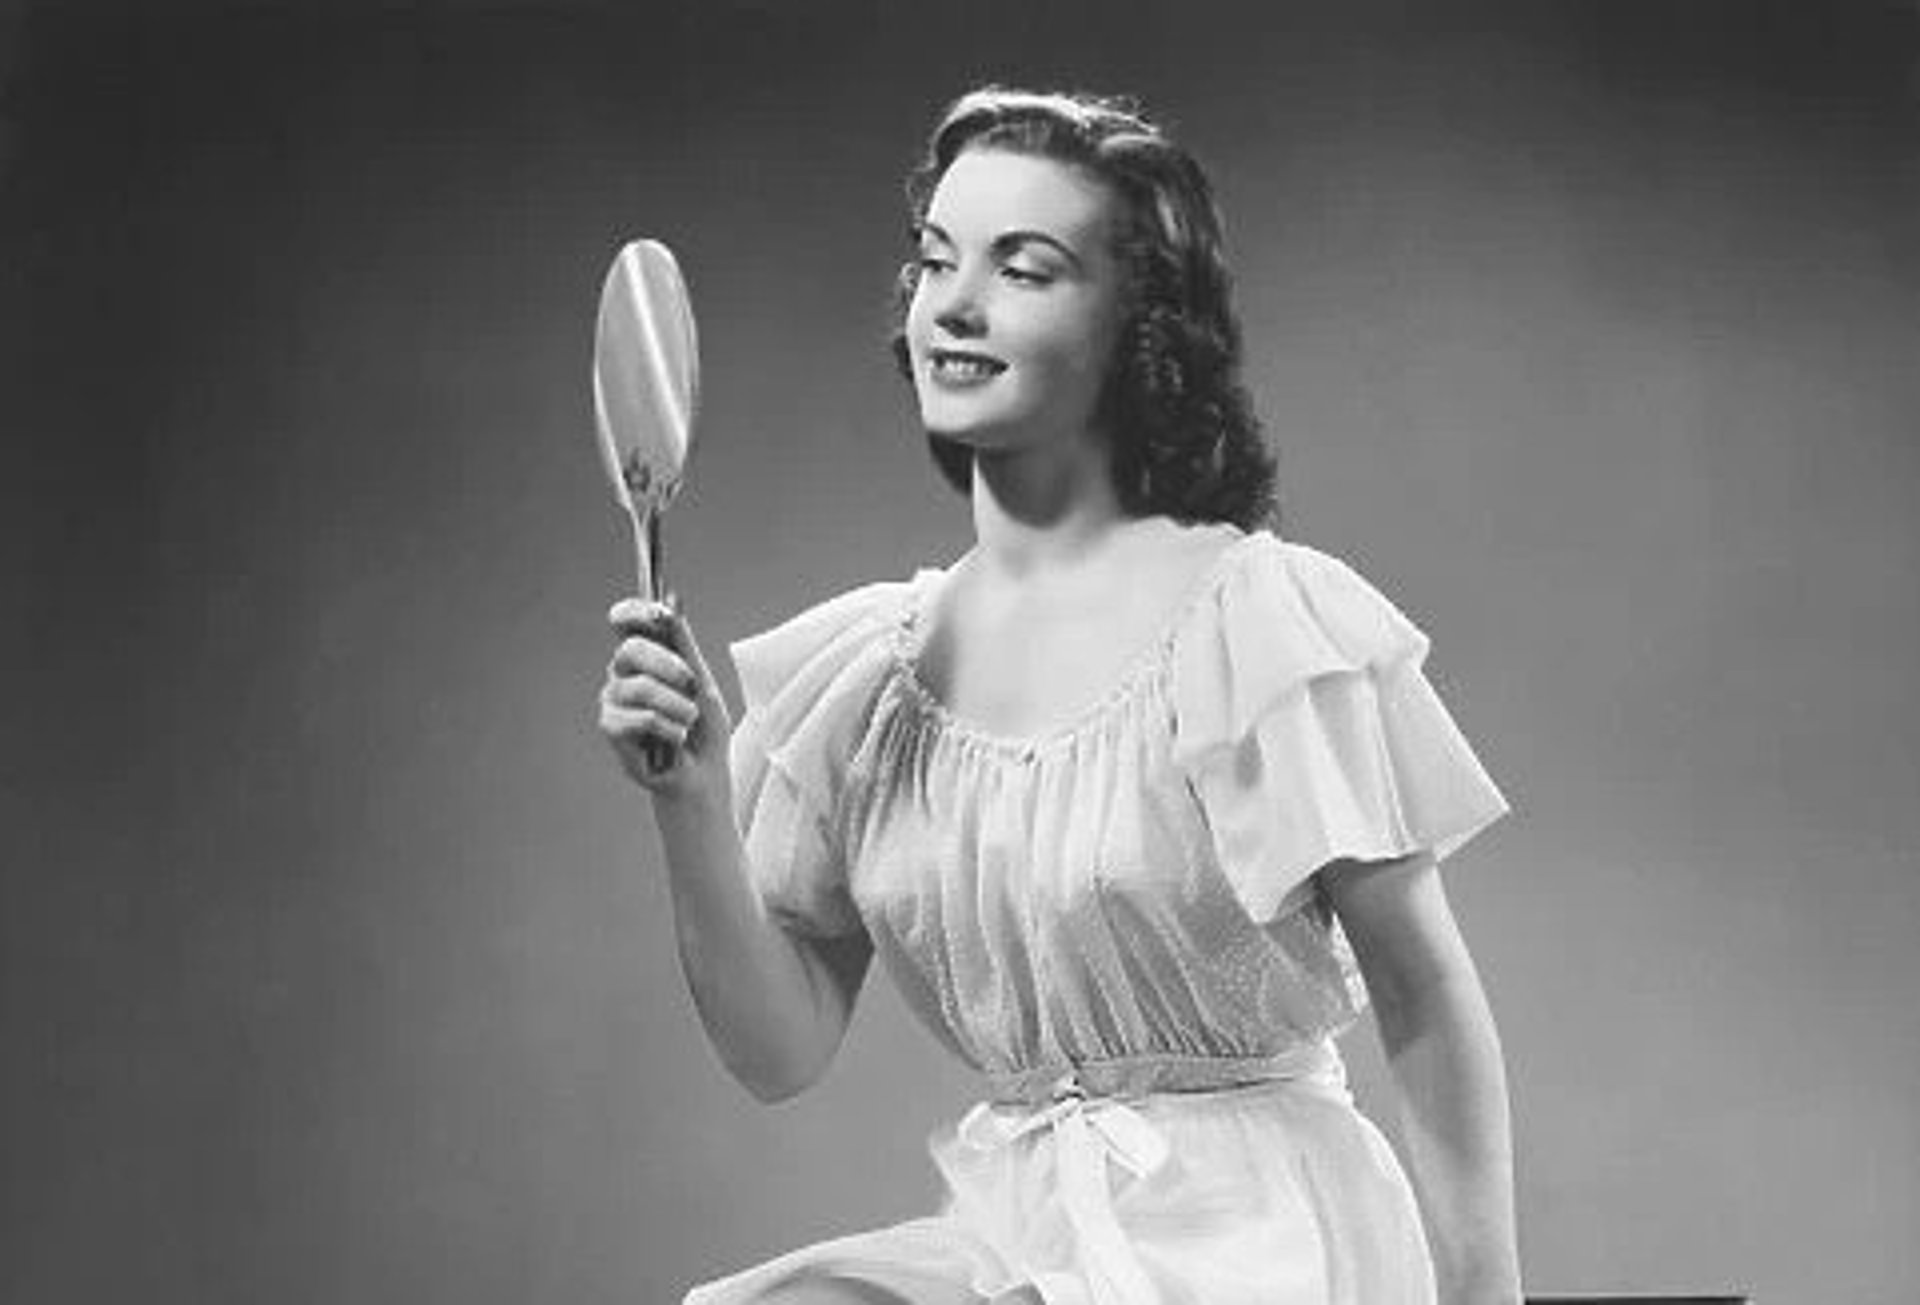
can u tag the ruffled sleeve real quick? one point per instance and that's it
(810, 686)
(1308, 731)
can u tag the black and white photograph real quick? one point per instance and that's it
(978, 653)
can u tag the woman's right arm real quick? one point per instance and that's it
(775, 1004)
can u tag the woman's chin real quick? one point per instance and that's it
(975, 429)
(946, 427)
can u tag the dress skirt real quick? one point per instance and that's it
(1280, 1193)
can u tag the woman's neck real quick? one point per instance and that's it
(1034, 514)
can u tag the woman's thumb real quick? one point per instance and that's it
(689, 649)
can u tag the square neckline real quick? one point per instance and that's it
(909, 636)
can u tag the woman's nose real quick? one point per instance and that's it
(957, 306)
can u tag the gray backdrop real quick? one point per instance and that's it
(337, 961)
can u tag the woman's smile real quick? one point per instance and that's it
(963, 369)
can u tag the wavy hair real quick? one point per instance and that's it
(1185, 440)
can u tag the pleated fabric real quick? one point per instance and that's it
(1119, 924)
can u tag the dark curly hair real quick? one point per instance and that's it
(1185, 440)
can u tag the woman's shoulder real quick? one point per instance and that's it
(1279, 615)
(1305, 566)
(826, 639)
(1282, 594)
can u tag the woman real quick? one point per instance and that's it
(1137, 802)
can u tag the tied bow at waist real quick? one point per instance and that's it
(1088, 1114)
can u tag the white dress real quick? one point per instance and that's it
(1118, 925)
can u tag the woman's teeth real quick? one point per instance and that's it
(951, 368)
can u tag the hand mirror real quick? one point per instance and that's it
(646, 382)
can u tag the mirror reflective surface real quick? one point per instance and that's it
(645, 388)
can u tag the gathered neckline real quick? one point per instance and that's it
(908, 642)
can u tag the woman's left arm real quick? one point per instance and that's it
(1444, 1054)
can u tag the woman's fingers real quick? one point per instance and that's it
(644, 724)
(649, 632)
(643, 693)
(641, 655)
(632, 616)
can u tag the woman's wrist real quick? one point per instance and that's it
(695, 800)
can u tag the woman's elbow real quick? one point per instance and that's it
(771, 1079)
(785, 1069)
(771, 1092)
(790, 1048)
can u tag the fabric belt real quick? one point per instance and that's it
(1085, 1109)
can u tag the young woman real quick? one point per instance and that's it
(1138, 803)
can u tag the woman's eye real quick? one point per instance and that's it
(1025, 275)
(932, 263)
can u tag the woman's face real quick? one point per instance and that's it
(1014, 317)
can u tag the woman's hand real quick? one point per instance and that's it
(659, 691)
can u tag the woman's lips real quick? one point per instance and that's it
(962, 368)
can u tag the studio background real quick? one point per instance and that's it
(337, 958)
